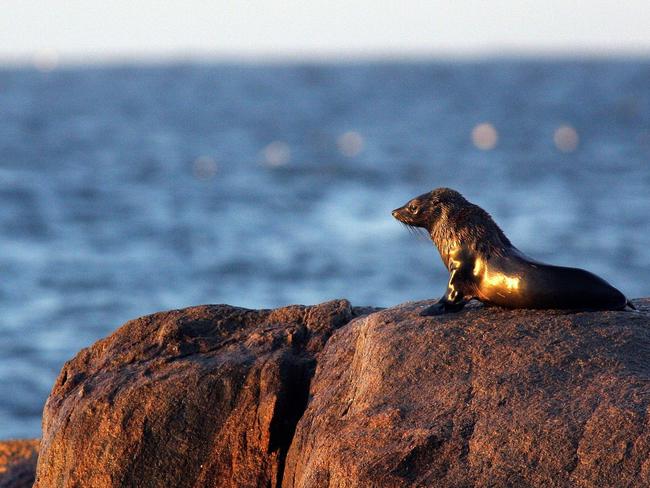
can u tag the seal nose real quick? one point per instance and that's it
(394, 213)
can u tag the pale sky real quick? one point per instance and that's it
(93, 30)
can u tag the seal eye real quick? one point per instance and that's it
(413, 208)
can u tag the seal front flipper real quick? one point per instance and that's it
(442, 306)
(454, 298)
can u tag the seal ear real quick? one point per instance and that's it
(434, 213)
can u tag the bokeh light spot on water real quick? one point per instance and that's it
(276, 154)
(566, 138)
(350, 143)
(485, 136)
(46, 60)
(204, 168)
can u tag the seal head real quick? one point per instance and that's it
(483, 264)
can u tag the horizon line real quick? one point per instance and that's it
(54, 60)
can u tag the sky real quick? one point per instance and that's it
(94, 30)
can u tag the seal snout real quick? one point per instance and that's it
(403, 215)
(398, 213)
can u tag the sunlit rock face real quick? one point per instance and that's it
(483, 397)
(205, 396)
(332, 395)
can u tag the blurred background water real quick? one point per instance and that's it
(127, 190)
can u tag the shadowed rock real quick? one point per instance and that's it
(18, 463)
(205, 396)
(484, 397)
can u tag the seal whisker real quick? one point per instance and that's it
(422, 233)
(416, 231)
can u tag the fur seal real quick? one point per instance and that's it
(484, 265)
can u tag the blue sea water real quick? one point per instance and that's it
(125, 190)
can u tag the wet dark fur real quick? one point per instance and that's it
(464, 233)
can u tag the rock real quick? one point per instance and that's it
(484, 397)
(215, 396)
(18, 463)
(207, 396)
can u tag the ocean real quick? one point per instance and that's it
(126, 190)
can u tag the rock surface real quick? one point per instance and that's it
(205, 396)
(215, 396)
(484, 397)
(18, 463)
